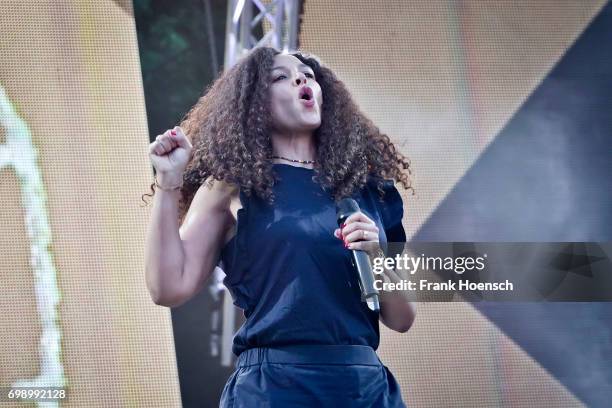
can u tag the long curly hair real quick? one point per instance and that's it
(229, 128)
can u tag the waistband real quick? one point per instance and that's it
(310, 354)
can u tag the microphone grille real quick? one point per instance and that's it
(346, 207)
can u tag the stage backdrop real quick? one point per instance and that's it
(73, 164)
(503, 107)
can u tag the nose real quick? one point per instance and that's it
(301, 79)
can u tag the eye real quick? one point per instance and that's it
(309, 75)
(279, 77)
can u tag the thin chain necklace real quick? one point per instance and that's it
(295, 161)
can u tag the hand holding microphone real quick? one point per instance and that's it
(359, 232)
(360, 235)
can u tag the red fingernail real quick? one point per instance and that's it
(173, 132)
(342, 226)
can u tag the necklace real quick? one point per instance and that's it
(294, 161)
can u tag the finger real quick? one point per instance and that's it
(156, 147)
(152, 147)
(357, 226)
(166, 140)
(357, 230)
(337, 233)
(159, 149)
(358, 216)
(358, 236)
(367, 246)
(170, 138)
(181, 138)
(164, 143)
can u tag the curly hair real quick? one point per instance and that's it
(229, 128)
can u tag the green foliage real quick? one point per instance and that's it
(175, 55)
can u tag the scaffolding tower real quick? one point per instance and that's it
(254, 23)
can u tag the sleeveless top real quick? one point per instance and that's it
(289, 273)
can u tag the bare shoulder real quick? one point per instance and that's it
(203, 232)
(214, 195)
(211, 204)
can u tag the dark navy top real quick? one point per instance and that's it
(288, 272)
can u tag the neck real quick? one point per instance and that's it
(298, 145)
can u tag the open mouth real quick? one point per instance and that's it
(306, 93)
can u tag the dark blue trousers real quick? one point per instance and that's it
(311, 376)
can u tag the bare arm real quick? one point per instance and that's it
(397, 311)
(164, 254)
(180, 261)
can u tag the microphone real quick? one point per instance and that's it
(360, 260)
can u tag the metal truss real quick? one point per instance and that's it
(250, 24)
(278, 21)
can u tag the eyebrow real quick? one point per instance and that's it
(299, 66)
